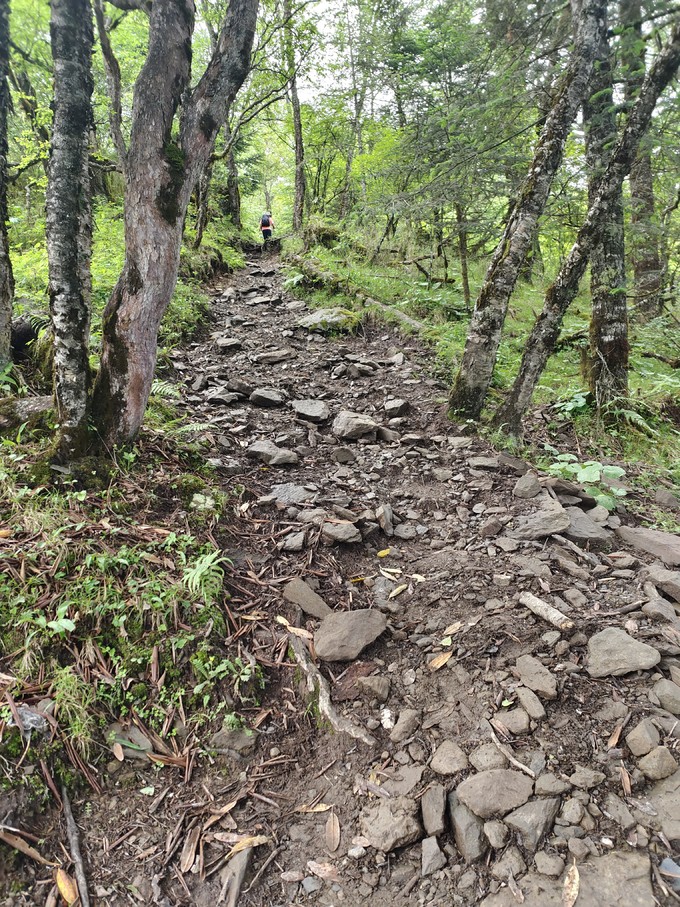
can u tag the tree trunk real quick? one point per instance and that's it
(546, 330)
(644, 233)
(463, 254)
(231, 206)
(474, 376)
(289, 55)
(202, 200)
(161, 174)
(6, 277)
(69, 219)
(608, 354)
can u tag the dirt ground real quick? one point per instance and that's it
(365, 796)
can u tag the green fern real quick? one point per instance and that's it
(164, 389)
(205, 577)
(193, 427)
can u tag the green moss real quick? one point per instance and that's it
(167, 199)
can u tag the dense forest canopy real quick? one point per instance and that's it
(443, 138)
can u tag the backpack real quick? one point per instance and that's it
(265, 221)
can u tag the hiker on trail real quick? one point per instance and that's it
(267, 226)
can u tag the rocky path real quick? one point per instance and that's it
(495, 660)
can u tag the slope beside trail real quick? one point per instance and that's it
(457, 747)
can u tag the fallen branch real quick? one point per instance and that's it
(545, 611)
(74, 845)
(511, 759)
(673, 363)
(317, 684)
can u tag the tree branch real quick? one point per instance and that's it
(113, 81)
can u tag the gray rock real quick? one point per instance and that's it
(406, 726)
(467, 831)
(496, 833)
(432, 859)
(221, 396)
(527, 486)
(670, 870)
(669, 696)
(342, 532)
(273, 357)
(664, 797)
(531, 703)
(511, 862)
(267, 452)
(484, 463)
(406, 778)
(299, 593)
(616, 809)
(533, 820)
(348, 426)
(388, 824)
(612, 652)
(536, 677)
(228, 344)
(289, 493)
(449, 759)
(658, 764)
(550, 520)
(234, 740)
(311, 884)
(135, 744)
(487, 756)
(375, 686)
(585, 778)
(666, 580)
(311, 410)
(583, 529)
(433, 806)
(294, 541)
(571, 812)
(549, 864)
(343, 455)
(663, 545)
(495, 793)
(665, 499)
(267, 397)
(659, 608)
(516, 721)
(344, 635)
(395, 407)
(547, 784)
(327, 320)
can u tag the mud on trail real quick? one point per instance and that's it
(473, 671)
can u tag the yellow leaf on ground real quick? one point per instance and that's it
(317, 808)
(253, 841)
(332, 833)
(384, 552)
(571, 887)
(398, 590)
(325, 871)
(5, 533)
(67, 887)
(439, 661)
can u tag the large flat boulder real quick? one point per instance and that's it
(495, 793)
(663, 545)
(612, 653)
(344, 635)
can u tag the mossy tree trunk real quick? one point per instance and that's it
(474, 376)
(69, 220)
(161, 172)
(542, 340)
(6, 277)
(645, 228)
(609, 349)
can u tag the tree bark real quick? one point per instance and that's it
(608, 354)
(463, 254)
(69, 219)
(6, 276)
(644, 233)
(546, 329)
(289, 56)
(161, 174)
(474, 376)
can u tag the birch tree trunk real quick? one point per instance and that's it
(161, 174)
(289, 58)
(474, 376)
(608, 354)
(6, 277)
(546, 329)
(645, 229)
(69, 219)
